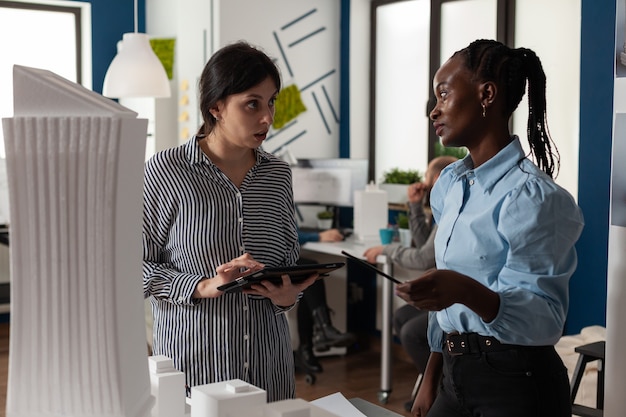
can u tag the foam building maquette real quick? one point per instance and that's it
(75, 176)
(236, 398)
(233, 398)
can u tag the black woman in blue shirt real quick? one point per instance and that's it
(504, 247)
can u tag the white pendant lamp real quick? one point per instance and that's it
(135, 71)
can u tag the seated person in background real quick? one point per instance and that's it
(315, 329)
(410, 324)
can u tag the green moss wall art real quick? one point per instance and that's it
(164, 50)
(288, 106)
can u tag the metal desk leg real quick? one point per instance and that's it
(387, 335)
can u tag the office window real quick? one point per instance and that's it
(48, 35)
(400, 51)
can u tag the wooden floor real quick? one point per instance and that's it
(356, 374)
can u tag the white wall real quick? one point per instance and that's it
(189, 21)
(304, 38)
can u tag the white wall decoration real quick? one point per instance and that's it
(304, 38)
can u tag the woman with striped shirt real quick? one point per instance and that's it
(216, 208)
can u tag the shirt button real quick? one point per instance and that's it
(245, 308)
(240, 220)
(181, 299)
(245, 337)
(471, 182)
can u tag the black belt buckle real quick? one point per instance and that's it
(457, 344)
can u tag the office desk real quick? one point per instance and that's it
(357, 248)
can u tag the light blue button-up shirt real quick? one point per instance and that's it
(507, 225)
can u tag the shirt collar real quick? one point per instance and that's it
(489, 173)
(195, 155)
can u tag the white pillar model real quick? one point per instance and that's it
(75, 174)
(223, 399)
(236, 398)
(167, 387)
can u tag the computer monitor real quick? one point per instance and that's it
(329, 181)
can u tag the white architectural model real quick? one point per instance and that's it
(75, 175)
(167, 387)
(234, 398)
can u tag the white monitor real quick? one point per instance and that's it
(329, 181)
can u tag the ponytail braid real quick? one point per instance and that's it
(509, 68)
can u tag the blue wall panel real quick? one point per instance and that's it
(588, 285)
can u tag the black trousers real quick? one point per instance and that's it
(411, 327)
(519, 382)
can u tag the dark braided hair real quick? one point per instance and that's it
(509, 68)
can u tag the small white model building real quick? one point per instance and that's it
(236, 398)
(167, 387)
(225, 399)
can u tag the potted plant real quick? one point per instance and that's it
(396, 182)
(402, 221)
(325, 219)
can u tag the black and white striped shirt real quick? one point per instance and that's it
(196, 219)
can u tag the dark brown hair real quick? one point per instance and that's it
(231, 70)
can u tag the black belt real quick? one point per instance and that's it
(466, 343)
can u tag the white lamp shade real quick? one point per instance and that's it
(136, 71)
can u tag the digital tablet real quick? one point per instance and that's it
(297, 273)
(370, 266)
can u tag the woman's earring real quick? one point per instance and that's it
(484, 110)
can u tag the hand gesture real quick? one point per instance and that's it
(437, 289)
(417, 191)
(331, 235)
(372, 253)
(230, 271)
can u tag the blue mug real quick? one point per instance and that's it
(386, 236)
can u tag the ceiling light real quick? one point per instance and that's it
(135, 71)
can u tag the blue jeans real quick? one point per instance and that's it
(523, 381)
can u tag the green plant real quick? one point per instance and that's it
(402, 220)
(401, 176)
(325, 214)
